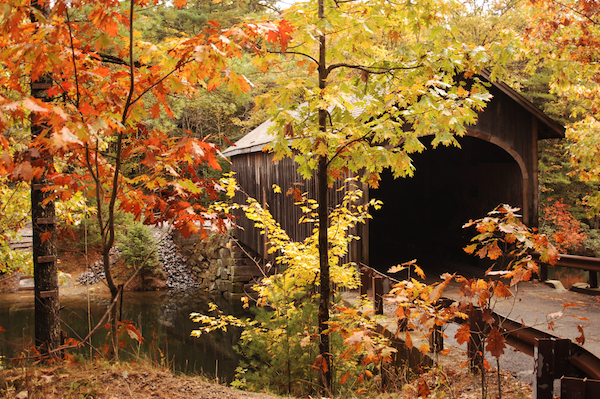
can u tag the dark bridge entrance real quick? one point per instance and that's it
(422, 216)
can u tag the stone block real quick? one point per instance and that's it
(223, 285)
(224, 253)
(237, 287)
(246, 271)
(224, 274)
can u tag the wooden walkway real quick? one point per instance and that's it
(26, 241)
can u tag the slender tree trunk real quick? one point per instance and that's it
(324, 303)
(47, 321)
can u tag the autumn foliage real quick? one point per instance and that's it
(568, 236)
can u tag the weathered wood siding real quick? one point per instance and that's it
(507, 124)
(257, 173)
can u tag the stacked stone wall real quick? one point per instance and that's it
(218, 265)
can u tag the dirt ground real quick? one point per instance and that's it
(101, 380)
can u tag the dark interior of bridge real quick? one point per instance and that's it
(422, 216)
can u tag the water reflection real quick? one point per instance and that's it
(161, 317)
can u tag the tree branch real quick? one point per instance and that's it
(371, 70)
(295, 52)
(576, 11)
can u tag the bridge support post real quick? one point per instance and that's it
(475, 345)
(551, 362)
(378, 294)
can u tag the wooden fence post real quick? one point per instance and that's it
(475, 346)
(436, 340)
(365, 280)
(378, 294)
(551, 362)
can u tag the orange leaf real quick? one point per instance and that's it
(23, 171)
(408, 341)
(502, 291)
(494, 252)
(46, 236)
(155, 110)
(423, 388)
(420, 272)
(345, 378)
(463, 334)
(495, 343)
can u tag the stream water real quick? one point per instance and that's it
(161, 316)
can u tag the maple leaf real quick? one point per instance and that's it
(423, 389)
(495, 343)
(23, 171)
(355, 338)
(46, 236)
(320, 364)
(494, 252)
(34, 105)
(420, 272)
(134, 333)
(470, 248)
(502, 291)
(463, 335)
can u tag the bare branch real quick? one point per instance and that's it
(371, 70)
(296, 53)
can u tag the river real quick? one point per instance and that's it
(162, 317)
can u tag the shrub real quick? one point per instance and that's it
(138, 248)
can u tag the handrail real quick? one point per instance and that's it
(587, 263)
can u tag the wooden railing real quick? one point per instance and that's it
(555, 358)
(592, 265)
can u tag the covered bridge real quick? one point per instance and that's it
(422, 216)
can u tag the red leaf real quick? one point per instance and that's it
(320, 364)
(495, 343)
(86, 109)
(46, 236)
(180, 3)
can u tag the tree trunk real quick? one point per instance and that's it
(324, 302)
(47, 320)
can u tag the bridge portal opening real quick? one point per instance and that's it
(422, 216)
